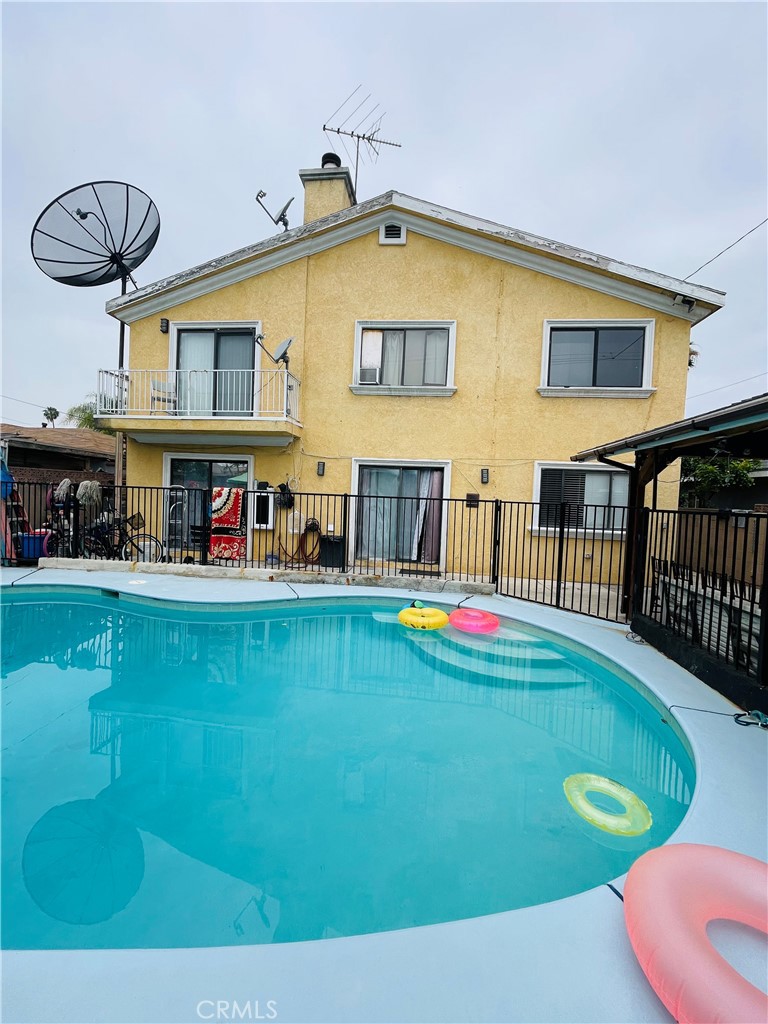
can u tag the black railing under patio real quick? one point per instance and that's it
(700, 591)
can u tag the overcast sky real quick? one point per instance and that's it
(637, 131)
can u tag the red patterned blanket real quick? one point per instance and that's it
(228, 527)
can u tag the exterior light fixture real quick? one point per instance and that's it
(484, 476)
(164, 326)
(321, 469)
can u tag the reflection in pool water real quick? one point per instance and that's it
(294, 771)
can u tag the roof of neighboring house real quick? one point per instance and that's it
(738, 428)
(671, 295)
(74, 440)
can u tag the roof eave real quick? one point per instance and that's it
(688, 301)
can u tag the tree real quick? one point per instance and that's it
(84, 415)
(51, 414)
(702, 477)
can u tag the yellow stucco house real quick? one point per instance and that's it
(432, 352)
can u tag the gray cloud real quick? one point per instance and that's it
(634, 130)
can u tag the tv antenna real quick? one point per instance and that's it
(363, 131)
(281, 217)
(95, 234)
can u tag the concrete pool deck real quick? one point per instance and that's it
(569, 960)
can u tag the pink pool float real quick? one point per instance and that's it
(472, 620)
(671, 895)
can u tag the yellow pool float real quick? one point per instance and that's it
(423, 618)
(633, 821)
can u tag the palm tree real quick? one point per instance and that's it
(84, 415)
(51, 414)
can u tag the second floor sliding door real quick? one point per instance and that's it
(216, 377)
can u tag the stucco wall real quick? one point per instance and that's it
(496, 418)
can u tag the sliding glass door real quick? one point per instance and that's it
(191, 482)
(399, 513)
(217, 377)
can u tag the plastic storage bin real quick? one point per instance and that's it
(32, 544)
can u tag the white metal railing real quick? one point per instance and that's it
(237, 394)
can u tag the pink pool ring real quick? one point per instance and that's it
(472, 620)
(671, 895)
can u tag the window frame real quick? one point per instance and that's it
(177, 326)
(422, 390)
(226, 456)
(570, 531)
(644, 390)
(357, 463)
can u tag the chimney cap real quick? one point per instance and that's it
(330, 160)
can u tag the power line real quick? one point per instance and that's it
(726, 249)
(21, 400)
(724, 386)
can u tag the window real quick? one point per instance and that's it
(215, 371)
(604, 359)
(590, 499)
(404, 357)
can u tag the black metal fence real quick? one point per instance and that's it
(565, 555)
(700, 579)
(693, 580)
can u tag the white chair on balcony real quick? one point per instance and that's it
(162, 397)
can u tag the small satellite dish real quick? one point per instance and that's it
(281, 218)
(95, 234)
(282, 349)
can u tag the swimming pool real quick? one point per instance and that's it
(199, 776)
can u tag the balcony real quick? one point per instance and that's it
(249, 406)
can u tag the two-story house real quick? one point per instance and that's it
(433, 354)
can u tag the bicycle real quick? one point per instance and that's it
(111, 537)
(58, 540)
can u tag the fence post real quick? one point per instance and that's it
(637, 569)
(74, 540)
(560, 551)
(496, 542)
(762, 639)
(345, 530)
(205, 533)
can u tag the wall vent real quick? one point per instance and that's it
(392, 234)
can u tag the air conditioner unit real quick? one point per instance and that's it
(369, 375)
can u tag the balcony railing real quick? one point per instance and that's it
(199, 394)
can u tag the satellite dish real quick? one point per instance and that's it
(95, 234)
(282, 348)
(280, 218)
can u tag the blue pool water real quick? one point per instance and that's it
(177, 775)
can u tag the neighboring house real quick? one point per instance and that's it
(49, 454)
(433, 354)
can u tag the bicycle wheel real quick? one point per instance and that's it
(94, 548)
(142, 548)
(55, 545)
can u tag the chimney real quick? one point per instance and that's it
(327, 189)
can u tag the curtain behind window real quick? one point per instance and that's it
(196, 354)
